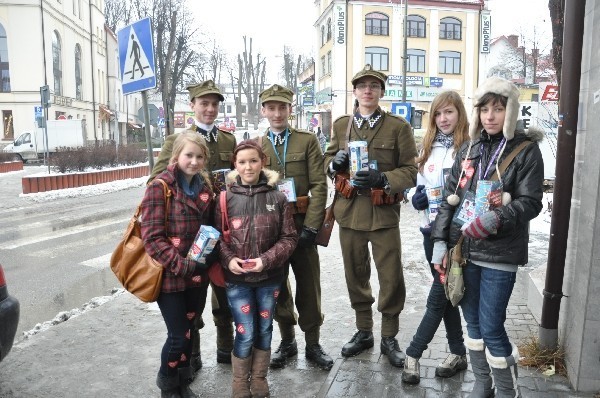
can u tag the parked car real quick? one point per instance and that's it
(227, 126)
(9, 317)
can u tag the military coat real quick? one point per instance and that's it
(304, 162)
(392, 144)
(220, 152)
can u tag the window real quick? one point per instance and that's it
(56, 63)
(377, 24)
(416, 60)
(416, 26)
(4, 69)
(378, 57)
(323, 70)
(450, 62)
(329, 62)
(450, 28)
(322, 35)
(78, 80)
(329, 29)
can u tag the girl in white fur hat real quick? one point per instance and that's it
(496, 239)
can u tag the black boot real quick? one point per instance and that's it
(358, 343)
(389, 346)
(185, 379)
(196, 358)
(169, 386)
(315, 353)
(286, 349)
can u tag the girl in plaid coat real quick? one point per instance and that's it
(192, 205)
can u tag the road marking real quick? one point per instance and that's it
(98, 262)
(67, 232)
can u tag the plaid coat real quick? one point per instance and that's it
(170, 247)
(261, 225)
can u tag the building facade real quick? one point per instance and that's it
(62, 44)
(444, 42)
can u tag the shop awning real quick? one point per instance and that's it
(105, 112)
(134, 126)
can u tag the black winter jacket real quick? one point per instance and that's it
(523, 179)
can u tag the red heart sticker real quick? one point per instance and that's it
(264, 314)
(431, 168)
(187, 334)
(204, 197)
(236, 223)
(183, 358)
(173, 364)
(463, 182)
(240, 329)
(190, 315)
(469, 172)
(276, 293)
(245, 308)
(176, 241)
(196, 279)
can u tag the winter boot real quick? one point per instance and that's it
(502, 369)
(481, 370)
(240, 386)
(196, 358)
(258, 379)
(186, 376)
(169, 386)
(224, 343)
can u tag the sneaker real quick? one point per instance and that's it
(412, 370)
(286, 349)
(451, 365)
(315, 353)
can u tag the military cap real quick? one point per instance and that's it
(369, 71)
(204, 88)
(277, 93)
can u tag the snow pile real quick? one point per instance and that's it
(86, 191)
(66, 315)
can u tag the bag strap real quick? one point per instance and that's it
(224, 215)
(508, 160)
(167, 193)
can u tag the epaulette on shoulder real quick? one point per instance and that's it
(396, 116)
(225, 132)
(302, 131)
(341, 117)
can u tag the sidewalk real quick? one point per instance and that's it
(112, 350)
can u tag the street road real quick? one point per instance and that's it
(56, 253)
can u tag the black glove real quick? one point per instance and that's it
(368, 179)
(341, 161)
(419, 199)
(307, 237)
(212, 257)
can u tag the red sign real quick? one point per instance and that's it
(61, 117)
(550, 93)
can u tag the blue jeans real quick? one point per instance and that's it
(438, 309)
(487, 292)
(252, 309)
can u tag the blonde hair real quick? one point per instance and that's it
(461, 131)
(195, 138)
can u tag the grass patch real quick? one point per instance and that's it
(543, 359)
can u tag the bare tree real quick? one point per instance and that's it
(557, 16)
(251, 80)
(116, 14)
(174, 33)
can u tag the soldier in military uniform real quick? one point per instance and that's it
(297, 156)
(369, 211)
(204, 101)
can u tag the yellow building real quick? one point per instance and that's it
(444, 42)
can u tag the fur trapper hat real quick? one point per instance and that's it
(505, 88)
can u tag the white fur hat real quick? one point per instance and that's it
(505, 88)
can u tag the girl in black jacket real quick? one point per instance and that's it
(495, 238)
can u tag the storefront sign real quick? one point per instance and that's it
(486, 33)
(340, 24)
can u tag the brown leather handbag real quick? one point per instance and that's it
(139, 273)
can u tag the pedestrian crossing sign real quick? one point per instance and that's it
(136, 56)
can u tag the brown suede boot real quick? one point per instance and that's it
(240, 386)
(258, 380)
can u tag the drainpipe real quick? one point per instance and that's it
(93, 79)
(43, 43)
(568, 109)
(107, 78)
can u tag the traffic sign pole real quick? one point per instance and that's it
(147, 129)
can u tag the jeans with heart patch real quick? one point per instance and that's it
(252, 308)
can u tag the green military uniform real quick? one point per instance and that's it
(220, 147)
(303, 163)
(391, 143)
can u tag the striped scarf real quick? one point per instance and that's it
(447, 140)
